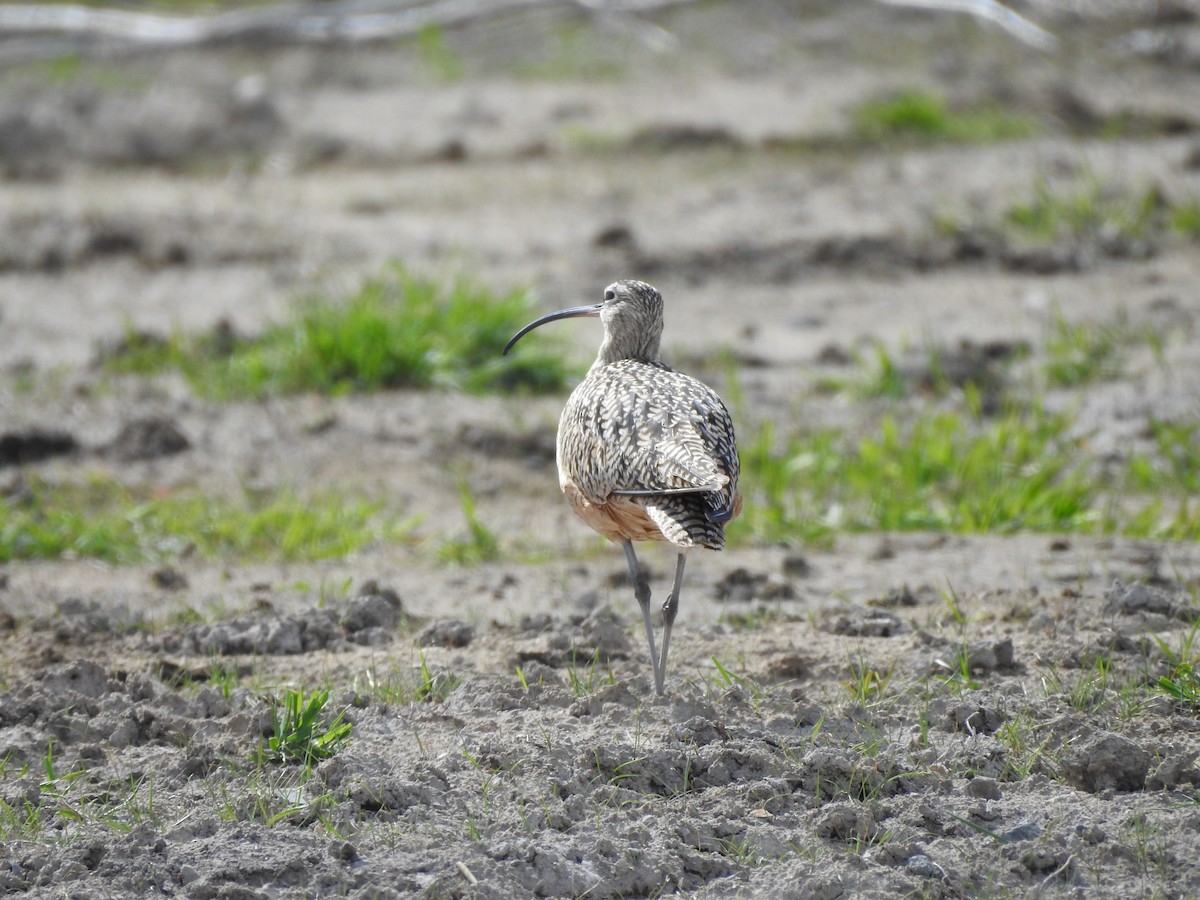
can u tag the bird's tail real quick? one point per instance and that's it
(726, 512)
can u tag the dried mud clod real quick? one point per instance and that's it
(148, 438)
(743, 586)
(865, 622)
(20, 448)
(59, 242)
(44, 133)
(1107, 762)
(168, 578)
(373, 614)
(535, 447)
(447, 633)
(370, 618)
(600, 636)
(1144, 600)
(971, 719)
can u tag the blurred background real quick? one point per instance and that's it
(257, 262)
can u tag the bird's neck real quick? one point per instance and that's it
(612, 351)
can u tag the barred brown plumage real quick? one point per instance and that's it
(645, 453)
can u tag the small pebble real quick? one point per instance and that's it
(1026, 831)
(924, 867)
(984, 788)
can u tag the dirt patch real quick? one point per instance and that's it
(562, 782)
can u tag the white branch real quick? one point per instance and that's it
(997, 13)
(369, 20)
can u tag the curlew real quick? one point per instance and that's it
(645, 453)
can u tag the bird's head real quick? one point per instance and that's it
(632, 315)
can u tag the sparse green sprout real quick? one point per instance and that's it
(223, 679)
(64, 68)
(434, 687)
(437, 59)
(48, 767)
(586, 680)
(1091, 691)
(1019, 735)
(727, 679)
(754, 618)
(954, 605)
(59, 791)
(957, 671)
(886, 380)
(407, 685)
(299, 734)
(1094, 211)
(522, 680)
(1050, 214)
(481, 546)
(21, 821)
(740, 851)
(571, 53)
(1149, 848)
(867, 684)
(975, 826)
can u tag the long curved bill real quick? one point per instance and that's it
(592, 309)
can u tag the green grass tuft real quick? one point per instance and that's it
(298, 733)
(571, 53)
(866, 684)
(1093, 210)
(943, 472)
(1185, 218)
(1182, 681)
(959, 472)
(397, 331)
(437, 59)
(1176, 464)
(915, 115)
(1182, 685)
(102, 519)
(1083, 352)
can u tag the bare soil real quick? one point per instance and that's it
(219, 185)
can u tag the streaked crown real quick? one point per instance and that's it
(632, 314)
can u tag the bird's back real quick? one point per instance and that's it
(639, 438)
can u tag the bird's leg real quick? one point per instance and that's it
(669, 609)
(641, 590)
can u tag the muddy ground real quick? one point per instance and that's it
(697, 148)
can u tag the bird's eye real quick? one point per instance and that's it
(610, 295)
